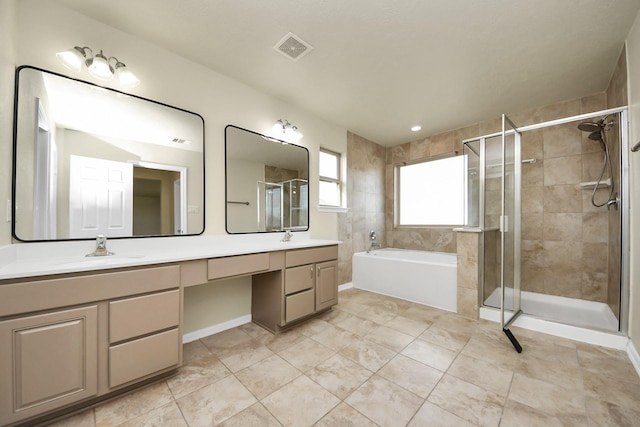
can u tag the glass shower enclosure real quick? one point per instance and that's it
(553, 246)
(493, 204)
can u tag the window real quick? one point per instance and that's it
(431, 192)
(330, 183)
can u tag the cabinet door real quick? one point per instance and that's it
(326, 284)
(47, 361)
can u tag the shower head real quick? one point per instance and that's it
(595, 136)
(590, 127)
(595, 126)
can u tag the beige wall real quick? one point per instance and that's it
(7, 66)
(633, 61)
(40, 28)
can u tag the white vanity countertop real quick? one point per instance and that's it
(22, 260)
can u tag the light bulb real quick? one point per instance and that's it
(99, 67)
(72, 58)
(126, 77)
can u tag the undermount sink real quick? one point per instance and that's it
(298, 243)
(96, 260)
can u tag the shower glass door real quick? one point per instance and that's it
(510, 223)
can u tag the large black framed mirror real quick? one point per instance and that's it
(89, 160)
(267, 183)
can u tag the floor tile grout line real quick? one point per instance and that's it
(478, 332)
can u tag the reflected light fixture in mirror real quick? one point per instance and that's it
(282, 127)
(99, 66)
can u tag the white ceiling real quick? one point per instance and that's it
(379, 67)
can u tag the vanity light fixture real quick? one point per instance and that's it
(98, 65)
(287, 129)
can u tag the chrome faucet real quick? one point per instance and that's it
(287, 236)
(101, 247)
(373, 245)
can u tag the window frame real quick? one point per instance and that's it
(396, 191)
(338, 180)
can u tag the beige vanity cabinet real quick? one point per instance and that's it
(306, 286)
(78, 337)
(47, 361)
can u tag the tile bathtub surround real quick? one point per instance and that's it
(380, 361)
(365, 199)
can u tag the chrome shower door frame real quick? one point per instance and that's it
(510, 222)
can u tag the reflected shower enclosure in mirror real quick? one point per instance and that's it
(88, 160)
(267, 183)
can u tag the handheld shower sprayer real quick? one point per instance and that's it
(597, 133)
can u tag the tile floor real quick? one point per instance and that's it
(375, 360)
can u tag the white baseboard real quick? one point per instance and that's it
(345, 286)
(220, 327)
(634, 356)
(214, 329)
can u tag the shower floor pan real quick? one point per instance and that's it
(571, 311)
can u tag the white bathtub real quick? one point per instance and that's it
(424, 277)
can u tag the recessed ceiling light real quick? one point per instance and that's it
(415, 128)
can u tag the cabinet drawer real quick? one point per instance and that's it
(298, 279)
(139, 358)
(237, 265)
(28, 296)
(311, 255)
(299, 305)
(132, 317)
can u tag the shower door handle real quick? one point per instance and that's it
(504, 224)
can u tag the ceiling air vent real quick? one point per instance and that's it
(293, 47)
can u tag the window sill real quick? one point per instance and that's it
(334, 209)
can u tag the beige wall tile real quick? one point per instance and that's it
(560, 141)
(532, 200)
(533, 174)
(562, 199)
(594, 257)
(532, 226)
(595, 227)
(563, 170)
(563, 227)
(468, 303)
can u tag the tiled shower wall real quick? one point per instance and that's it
(564, 238)
(365, 199)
